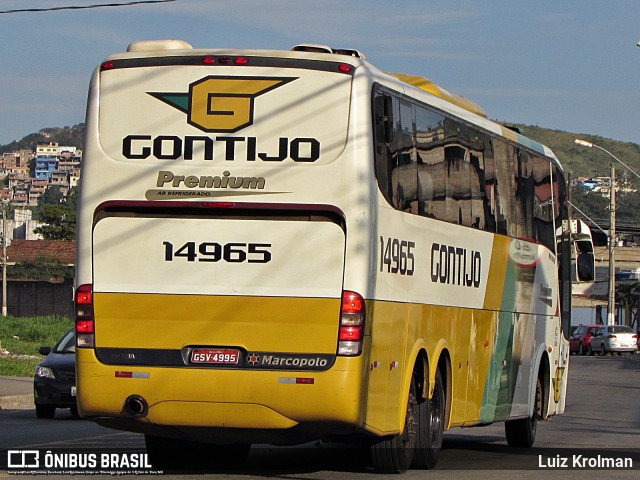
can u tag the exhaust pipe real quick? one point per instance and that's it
(136, 406)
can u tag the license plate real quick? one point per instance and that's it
(215, 356)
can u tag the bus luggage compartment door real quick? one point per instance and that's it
(265, 284)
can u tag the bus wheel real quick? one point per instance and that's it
(173, 454)
(430, 427)
(394, 454)
(522, 432)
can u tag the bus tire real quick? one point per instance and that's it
(431, 419)
(521, 433)
(394, 454)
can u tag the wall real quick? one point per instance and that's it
(31, 297)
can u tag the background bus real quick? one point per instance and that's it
(285, 246)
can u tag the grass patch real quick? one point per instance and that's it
(18, 367)
(23, 336)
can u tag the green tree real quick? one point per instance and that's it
(591, 203)
(42, 268)
(59, 223)
(52, 196)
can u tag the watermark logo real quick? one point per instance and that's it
(23, 459)
(60, 462)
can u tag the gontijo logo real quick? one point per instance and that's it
(219, 103)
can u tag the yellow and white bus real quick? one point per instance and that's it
(282, 246)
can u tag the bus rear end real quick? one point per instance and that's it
(211, 296)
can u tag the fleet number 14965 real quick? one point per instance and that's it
(233, 252)
(396, 256)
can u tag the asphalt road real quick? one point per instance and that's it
(602, 418)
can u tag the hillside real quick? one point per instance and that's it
(67, 136)
(583, 161)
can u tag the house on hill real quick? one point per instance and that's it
(40, 277)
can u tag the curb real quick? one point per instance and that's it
(16, 402)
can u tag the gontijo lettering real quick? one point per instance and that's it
(455, 265)
(172, 147)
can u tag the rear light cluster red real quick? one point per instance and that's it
(352, 316)
(211, 60)
(85, 327)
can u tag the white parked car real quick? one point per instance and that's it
(614, 338)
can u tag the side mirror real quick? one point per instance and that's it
(44, 351)
(585, 266)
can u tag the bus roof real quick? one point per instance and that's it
(428, 86)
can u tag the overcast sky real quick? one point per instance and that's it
(569, 65)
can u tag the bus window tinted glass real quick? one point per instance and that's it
(431, 164)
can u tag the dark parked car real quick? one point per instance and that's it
(54, 382)
(580, 341)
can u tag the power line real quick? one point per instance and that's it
(82, 7)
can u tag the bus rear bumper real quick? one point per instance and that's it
(177, 402)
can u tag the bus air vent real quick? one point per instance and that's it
(311, 47)
(151, 45)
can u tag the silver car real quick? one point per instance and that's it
(614, 338)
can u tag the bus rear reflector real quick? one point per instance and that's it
(85, 327)
(352, 316)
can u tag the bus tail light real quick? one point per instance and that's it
(85, 327)
(352, 316)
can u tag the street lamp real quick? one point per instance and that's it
(584, 143)
(611, 301)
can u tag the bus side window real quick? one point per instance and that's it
(505, 171)
(525, 191)
(405, 173)
(489, 184)
(476, 183)
(544, 202)
(383, 118)
(430, 163)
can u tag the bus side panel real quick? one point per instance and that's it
(491, 349)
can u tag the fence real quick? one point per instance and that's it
(26, 298)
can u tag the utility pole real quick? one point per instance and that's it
(611, 303)
(4, 260)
